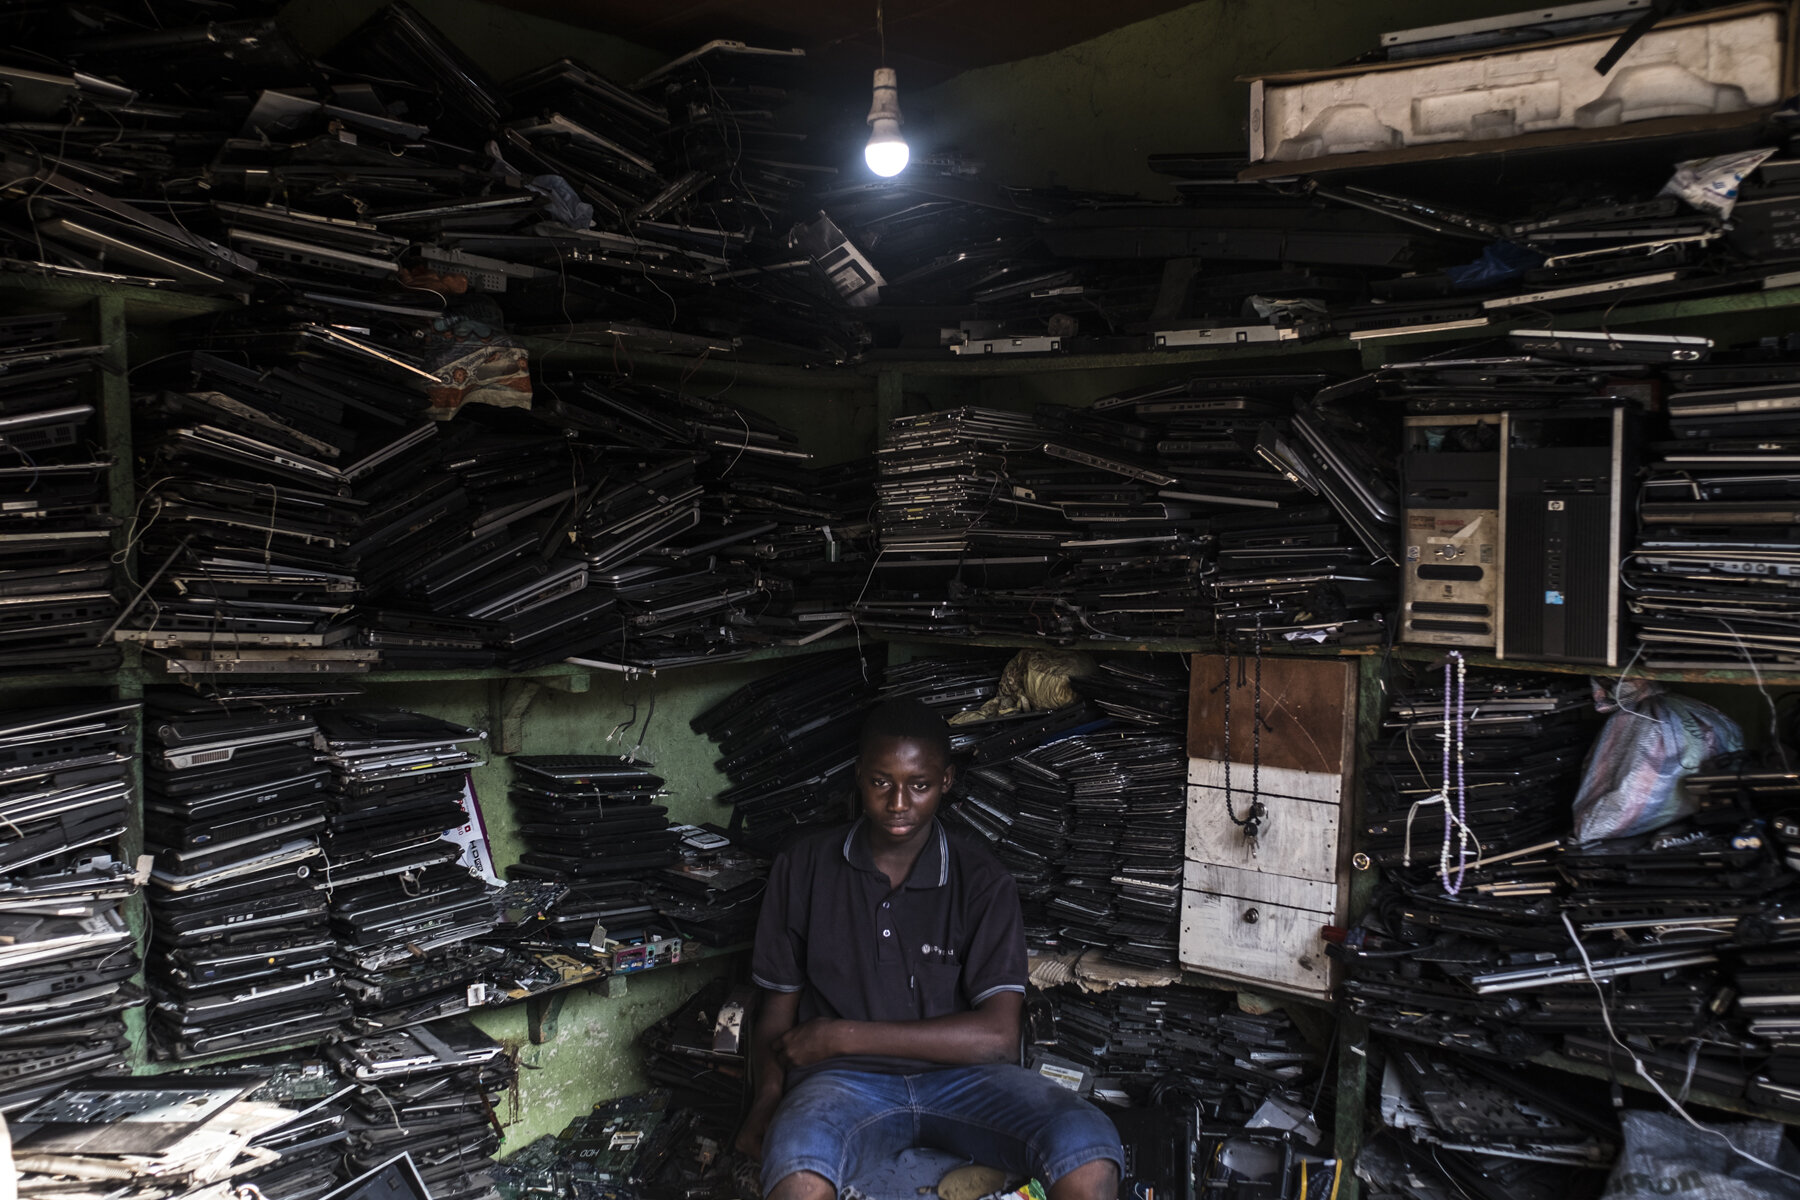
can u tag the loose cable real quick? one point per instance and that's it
(1587, 966)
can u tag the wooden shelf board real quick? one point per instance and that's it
(561, 670)
(1134, 646)
(143, 304)
(57, 679)
(152, 305)
(590, 350)
(1033, 364)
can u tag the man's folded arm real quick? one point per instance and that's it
(987, 1034)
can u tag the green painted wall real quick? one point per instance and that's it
(1088, 116)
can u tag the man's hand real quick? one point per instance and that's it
(811, 1042)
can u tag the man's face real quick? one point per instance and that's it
(901, 781)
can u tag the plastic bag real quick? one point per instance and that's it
(1711, 184)
(1631, 783)
(1665, 1156)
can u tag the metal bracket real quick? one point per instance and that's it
(541, 1013)
(515, 698)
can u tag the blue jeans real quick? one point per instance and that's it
(840, 1124)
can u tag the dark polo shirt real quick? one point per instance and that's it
(833, 930)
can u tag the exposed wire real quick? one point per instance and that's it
(1756, 674)
(1587, 965)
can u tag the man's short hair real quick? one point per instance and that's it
(907, 720)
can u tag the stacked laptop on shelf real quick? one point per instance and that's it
(57, 597)
(432, 1092)
(67, 953)
(403, 906)
(645, 213)
(234, 809)
(1497, 1131)
(1524, 741)
(1209, 505)
(260, 527)
(309, 517)
(1715, 575)
(590, 817)
(788, 745)
(1088, 819)
(1119, 1045)
(713, 894)
(1517, 939)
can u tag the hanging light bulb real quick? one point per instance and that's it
(886, 152)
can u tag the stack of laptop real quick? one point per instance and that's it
(1026, 829)
(1118, 882)
(1768, 995)
(1022, 807)
(703, 529)
(234, 808)
(645, 213)
(311, 518)
(1497, 951)
(1214, 504)
(266, 480)
(1714, 580)
(1086, 811)
(1151, 695)
(1119, 1044)
(56, 585)
(67, 953)
(401, 903)
(590, 818)
(1139, 689)
(1523, 743)
(803, 531)
(714, 893)
(698, 1054)
(1497, 1130)
(191, 1134)
(788, 745)
(311, 1143)
(1730, 791)
(431, 1091)
(949, 686)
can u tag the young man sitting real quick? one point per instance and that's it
(891, 958)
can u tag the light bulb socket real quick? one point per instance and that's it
(886, 104)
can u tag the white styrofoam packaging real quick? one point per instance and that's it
(1726, 61)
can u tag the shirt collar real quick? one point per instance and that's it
(932, 868)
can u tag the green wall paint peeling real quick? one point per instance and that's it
(594, 1055)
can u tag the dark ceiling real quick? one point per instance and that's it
(928, 41)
